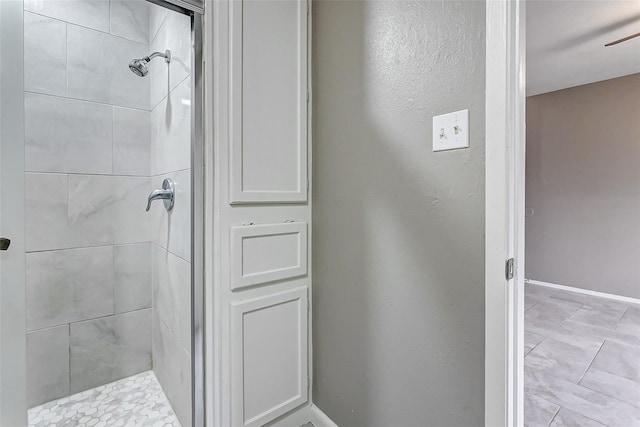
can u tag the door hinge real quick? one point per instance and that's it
(509, 269)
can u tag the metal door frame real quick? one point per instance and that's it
(195, 9)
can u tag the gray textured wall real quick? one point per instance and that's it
(398, 246)
(583, 182)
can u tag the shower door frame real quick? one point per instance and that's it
(11, 12)
(197, 222)
(196, 14)
(13, 331)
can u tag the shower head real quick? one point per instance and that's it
(139, 66)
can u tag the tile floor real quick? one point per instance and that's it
(130, 402)
(582, 360)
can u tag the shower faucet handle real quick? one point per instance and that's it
(167, 194)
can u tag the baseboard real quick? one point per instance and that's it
(296, 418)
(320, 419)
(584, 291)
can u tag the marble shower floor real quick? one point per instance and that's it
(582, 360)
(130, 402)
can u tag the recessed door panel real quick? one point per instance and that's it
(268, 356)
(266, 253)
(268, 101)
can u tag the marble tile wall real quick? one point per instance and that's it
(174, 33)
(110, 347)
(172, 366)
(170, 103)
(88, 174)
(48, 373)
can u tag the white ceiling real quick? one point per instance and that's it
(566, 38)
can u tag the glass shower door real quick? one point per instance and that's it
(12, 311)
(83, 141)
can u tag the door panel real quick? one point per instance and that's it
(269, 354)
(262, 233)
(265, 253)
(268, 101)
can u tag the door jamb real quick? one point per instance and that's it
(504, 211)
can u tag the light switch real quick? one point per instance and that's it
(451, 131)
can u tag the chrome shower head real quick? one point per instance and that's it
(139, 66)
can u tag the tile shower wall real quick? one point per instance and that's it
(88, 168)
(170, 104)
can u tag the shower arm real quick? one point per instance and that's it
(166, 55)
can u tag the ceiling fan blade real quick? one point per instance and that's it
(632, 36)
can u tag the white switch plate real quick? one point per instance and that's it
(451, 131)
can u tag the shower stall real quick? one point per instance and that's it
(112, 116)
(103, 187)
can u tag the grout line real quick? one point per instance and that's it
(69, 358)
(152, 108)
(568, 318)
(68, 218)
(113, 271)
(66, 59)
(90, 247)
(173, 334)
(70, 98)
(153, 38)
(554, 415)
(110, 1)
(169, 173)
(172, 253)
(90, 320)
(536, 346)
(609, 396)
(615, 327)
(90, 174)
(591, 363)
(87, 28)
(113, 142)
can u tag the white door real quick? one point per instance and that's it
(263, 229)
(13, 408)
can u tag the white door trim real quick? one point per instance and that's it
(504, 211)
(226, 213)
